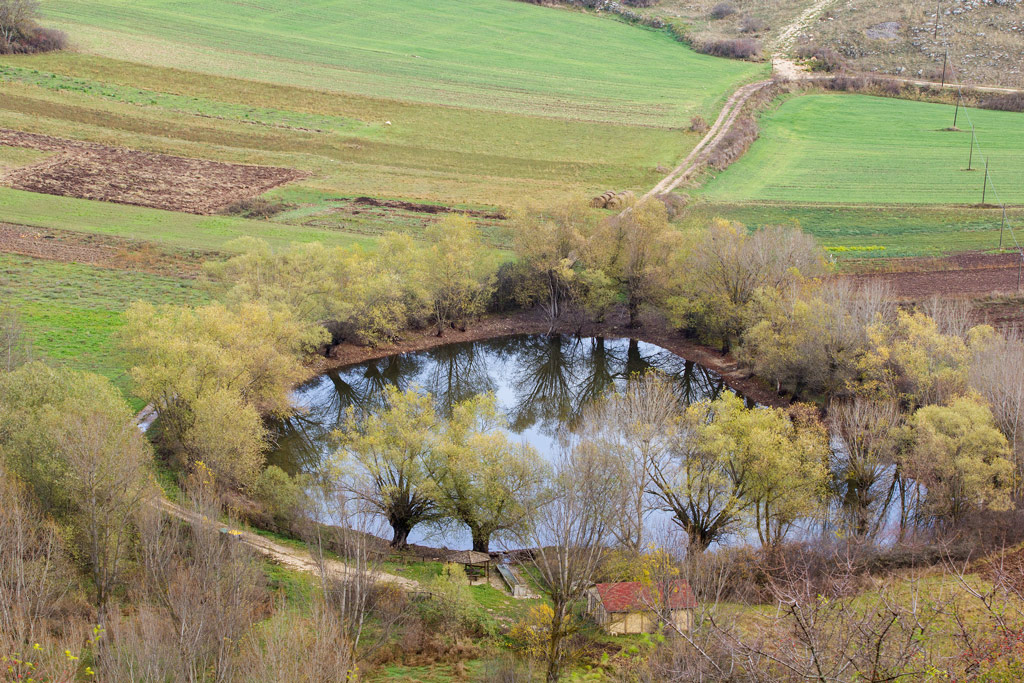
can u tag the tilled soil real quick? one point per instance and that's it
(968, 274)
(113, 174)
(98, 250)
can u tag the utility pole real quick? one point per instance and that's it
(1019, 264)
(984, 186)
(970, 158)
(945, 58)
(956, 112)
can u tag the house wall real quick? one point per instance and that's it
(643, 622)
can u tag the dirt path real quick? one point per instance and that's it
(283, 555)
(782, 66)
(695, 159)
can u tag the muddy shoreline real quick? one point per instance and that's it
(652, 331)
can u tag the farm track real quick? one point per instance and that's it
(283, 555)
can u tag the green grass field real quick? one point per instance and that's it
(484, 54)
(856, 149)
(72, 311)
(869, 230)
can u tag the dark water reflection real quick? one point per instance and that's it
(542, 383)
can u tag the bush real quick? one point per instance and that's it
(281, 496)
(257, 207)
(722, 10)
(1008, 102)
(640, 3)
(731, 48)
(451, 607)
(749, 24)
(821, 58)
(698, 125)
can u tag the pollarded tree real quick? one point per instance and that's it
(387, 456)
(786, 468)
(482, 479)
(458, 271)
(958, 461)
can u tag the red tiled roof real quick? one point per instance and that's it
(630, 596)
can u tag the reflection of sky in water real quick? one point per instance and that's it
(541, 383)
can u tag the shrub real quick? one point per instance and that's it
(722, 10)
(749, 24)
(257, 207)
(640, 3)
(698, 125)
(1008, 102)
(821, 58)
(281, 495)
(731, 48)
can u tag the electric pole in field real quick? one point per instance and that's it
(984, 186)
(970, 157)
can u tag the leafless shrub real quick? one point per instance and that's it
(256, 207)
(675, 204)
(202, 590)
(1008, 102)
(698, 125)
(730, 48)
(952, 315)
(19, 33)
(752, 24)
(821, 58)
(734, 143)
(722, 10)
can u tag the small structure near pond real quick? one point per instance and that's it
(476, 564)
(633, 607)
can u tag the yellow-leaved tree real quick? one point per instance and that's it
(458, 271)
(958, 462)
(482, 478)
(212, 372)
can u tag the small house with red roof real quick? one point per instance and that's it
(634, 607)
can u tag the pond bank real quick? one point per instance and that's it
(653, 331)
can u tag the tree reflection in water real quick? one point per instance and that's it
(542, 383)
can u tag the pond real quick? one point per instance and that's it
(542, 383)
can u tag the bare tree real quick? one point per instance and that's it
(865, 462)
(637, 426)
(952, 315)
(17, 17)
(107, 462)
(997, 372)
(569, 538)
(15, 347)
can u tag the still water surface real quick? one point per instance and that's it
(541, 383)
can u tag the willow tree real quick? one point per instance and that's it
(482, 478)
(458, 271)
(386, 456)
(550, 242)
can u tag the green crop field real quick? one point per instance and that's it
(856, 149)
(485, 54)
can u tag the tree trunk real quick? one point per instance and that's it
(554, 671)
(401, 529)
(481, 542)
